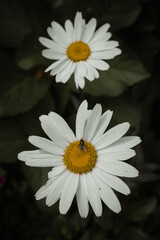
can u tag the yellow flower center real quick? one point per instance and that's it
(80, 158)
(78, 51)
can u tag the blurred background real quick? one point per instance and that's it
(131, 88)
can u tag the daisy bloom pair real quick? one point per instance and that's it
(78, 49)
(86, 164)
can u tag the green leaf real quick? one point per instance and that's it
(23, 95)
(14, 23)
(15, 131)
(121, 13)
(125, 70)
(12, 140)
(20, 18)
(29, 54)
(30, 120)
(125, 109)
(138, 211)
(61, 94)
(36, 176)
(19, 90)
(148, 47)
(133, 233)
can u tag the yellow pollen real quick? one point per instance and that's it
(78, 51)
(78, 160)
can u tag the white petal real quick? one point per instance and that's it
(79, 74)
(78, 26)
(57, 188)
(108, 54)
(58, 37)
(53, 65)
(52, 182)
(118, 168)
(62, 126)
(112, 135)
(62, 74)
(99, 64)
(68, 193)
(92, 122)
(103, 124)
(59, 67)
(89, 30)
(80, 119)
(50, 128)
(107, 195)
(103, 45)
(93, 194)
(52, 45)
(56, 171)
(121, 154)
(100, 33)
(50, 54)
(69, 29)
(57, 28)
(125, 142)
(68, 74)
(39, 158)
(89, 71)
(46, 145)
(82, 201)
(112, 181)
(46, 162)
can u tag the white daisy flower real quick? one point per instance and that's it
(78, 49)
(87, 164)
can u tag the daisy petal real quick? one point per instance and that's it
(112, 181)
(89, 30)
(59, 29)
(66, 70)
(56, 190)
(100, 33)
(52, 45)
(50, 128)
(103, 45)
(93, 194)
(78, 26)
(69, 28)
(103, 124)
(50, 54)
(92, 122)
(82, 201)
(59, 67)
(56, 171)
(125, 142)
(108, 54)
(108, 196)
(112, 135)
(62, 126)
(99, 64)
(47, 162)
(58, 37)
(89, 71)
(118, 168)
(68, 192)
(80, 119)
(122, 154)
(45, 145)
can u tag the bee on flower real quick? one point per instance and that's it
(87, 164)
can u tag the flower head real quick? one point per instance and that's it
(87, 164)
(78, 49)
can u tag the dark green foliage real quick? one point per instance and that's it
(131, 88)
